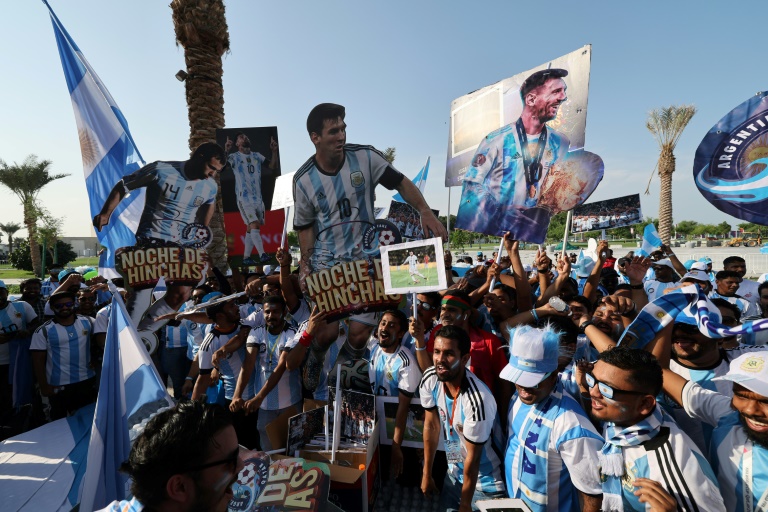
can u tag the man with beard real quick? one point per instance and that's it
(266, 353)
(664, 277)
(61, 355)
(168, 476)
(459, 407)
(247, 166)
(31, 294)
(747, 288)
(739, 446)
(551, 450)
(86, 302)
(510, 163)
(226, 317)
(393, 371)
(641, 441)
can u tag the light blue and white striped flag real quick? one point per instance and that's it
(106, 145)
(420, 181)
(651, 241)
(130, 391)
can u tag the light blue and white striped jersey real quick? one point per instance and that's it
(571, 454)
(730, 447)
(748, 290)
(69, 350)
(132, 505)
(229, 368)
(340, 206)
(655, 289)
(176, 335)
(391, 374)
(321, 391)
(16, 316)
(270, 347)
(247, 170)
(473, 421)
(195, 336)
(251, 315)
(101, 322)
(48, 287)
(673, 460)
(699, 432)
(172, 199)
(747, 308)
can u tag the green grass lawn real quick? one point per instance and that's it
(401, 277)
(8, 272)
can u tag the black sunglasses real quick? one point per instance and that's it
(232, 460)
(425, 305)
(61, 305)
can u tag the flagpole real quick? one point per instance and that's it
(568, 220)
(285, 226)
(448, 218)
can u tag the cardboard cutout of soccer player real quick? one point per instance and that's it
(609, 214)
(731, 164)
(171, 233)
(523, 173)
(247, 185)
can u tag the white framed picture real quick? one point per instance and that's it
(413, 267)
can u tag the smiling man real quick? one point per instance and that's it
(551, 451)
(167, 476)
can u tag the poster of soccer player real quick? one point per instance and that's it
(608, 214)
(528, 169)
(386, 411)
(412, 267)
(247, 184)
(731, 163)
(171, 232)
(407, 220)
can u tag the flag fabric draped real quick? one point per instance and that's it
(420, 181)
(691, 302)
(107, 148)
(651, 241)
(129, 392)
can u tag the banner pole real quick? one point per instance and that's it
(285, 226)
(448, 219)
(568, 220)
(498, 259)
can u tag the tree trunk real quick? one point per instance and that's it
(666, 169)
(30, 221)
(201, 28)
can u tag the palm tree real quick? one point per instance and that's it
(201, 29)
(10, 229)
(666, 124)
(26, 181)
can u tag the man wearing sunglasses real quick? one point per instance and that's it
(642, 443)
(61, 357)
(551, 449)
(166, 475)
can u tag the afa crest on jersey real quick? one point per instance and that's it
(357, 178)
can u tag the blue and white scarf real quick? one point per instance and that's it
(611, 456)
(533, 468)
(658, 314)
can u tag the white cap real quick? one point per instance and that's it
(751, 371)
(696, 275)
(665, 262)
(533, 355)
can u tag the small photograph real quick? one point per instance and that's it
(407, 220)
(386, 409)
(412, 267)
(358, 416)
(304, 427)
(608, 214)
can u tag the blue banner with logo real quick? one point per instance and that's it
(731, 164)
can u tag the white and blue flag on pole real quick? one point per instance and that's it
(651, 241)
(129, 392)
(106, 145)
(420, 181)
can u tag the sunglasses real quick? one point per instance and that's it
(62, 305)
(606, 390)
(231, 460)
(87, 299)
(425, 305)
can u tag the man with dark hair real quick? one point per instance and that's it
(61, 355)
(641, 441)
(31, 294)
(333, 194)
(510, 163)
(747, 288)
(459, 407)
(167, 475)
(86, 302)
(51, 282)
(727, 282)
(247, 166)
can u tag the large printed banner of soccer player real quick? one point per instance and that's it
(731, 164)
(530, 166)
(413, 267)
(247, 184)
(608, 214)
(171, 232)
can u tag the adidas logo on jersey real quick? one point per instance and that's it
(517, 155)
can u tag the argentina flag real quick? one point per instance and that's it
(420, 181)
(651, 241)
(106, 145)
(129, 392)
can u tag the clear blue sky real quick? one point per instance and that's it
(396, 66)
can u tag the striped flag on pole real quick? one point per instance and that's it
(106, 145)
(651, 241)
(420, 181)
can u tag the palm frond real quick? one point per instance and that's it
(666, 124)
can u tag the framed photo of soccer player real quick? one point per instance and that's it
(247, 185)
(386, 411)
(413, 267)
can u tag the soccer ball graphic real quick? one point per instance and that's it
(246, 474)
(386, 237)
